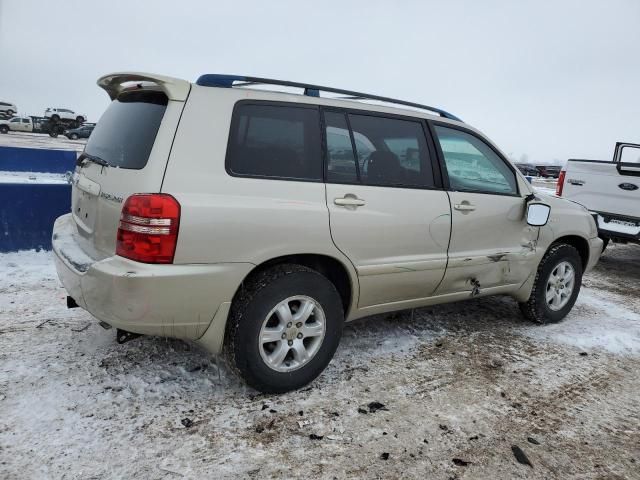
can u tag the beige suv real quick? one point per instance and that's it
(257, 222)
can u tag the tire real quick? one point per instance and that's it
(253, 309)
(80, 119)
(4, 129)
(55, 118)
(73, 136)
(53, 133)
(537, 308)
(10, 112)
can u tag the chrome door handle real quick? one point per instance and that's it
(464, 207)
(349, 201)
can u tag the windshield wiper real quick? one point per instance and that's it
(92, 158)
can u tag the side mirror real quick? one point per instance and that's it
(538, 214)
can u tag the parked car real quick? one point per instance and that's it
(9, 109)
(527, 169)
(248, 240)
(548, 171)
(610, 189)
(64, 114)
(81, 132)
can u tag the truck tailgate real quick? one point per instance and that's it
(599, 186)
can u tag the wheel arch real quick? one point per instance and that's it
(333, 269)
(581, 244)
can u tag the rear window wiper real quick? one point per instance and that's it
(92, 158)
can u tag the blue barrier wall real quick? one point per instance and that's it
(28, 210)
(14, 159)
(27, 213)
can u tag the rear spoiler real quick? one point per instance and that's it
(116, 83)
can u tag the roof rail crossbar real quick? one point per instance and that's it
(227, 81)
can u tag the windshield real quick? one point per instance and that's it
(127, 130)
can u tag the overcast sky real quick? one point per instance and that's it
(552, 80)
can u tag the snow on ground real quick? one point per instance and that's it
(39, 140)
(32, 177)
(603, 320)
(464, 381)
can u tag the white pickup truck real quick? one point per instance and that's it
(609, 189)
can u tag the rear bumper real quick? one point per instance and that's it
(167, 300)
(617, 226)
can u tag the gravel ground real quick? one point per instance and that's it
(461, 384)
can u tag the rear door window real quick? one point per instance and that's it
(127, 130)
(391, 151)
(275, 141)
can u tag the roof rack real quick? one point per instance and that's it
(228, 81)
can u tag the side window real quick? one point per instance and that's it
(14, 120)
(275, 141)
(630, 154)
(472, 165)
(341, 162)
(391, 151)
(25, 120)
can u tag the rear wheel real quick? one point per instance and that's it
(4, 129)
(80, 119)
(284, 328)
(73, 136)
(55, 117)
(10, 112)
(556, 286)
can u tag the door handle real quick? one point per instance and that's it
(349, 200)
(464, 207)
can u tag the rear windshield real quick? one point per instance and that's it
(127, 130)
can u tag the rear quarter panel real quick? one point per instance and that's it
(231, 219)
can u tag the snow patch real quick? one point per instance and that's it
(32, 177)
(597, 321)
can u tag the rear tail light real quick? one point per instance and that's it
(560, 183)
(148, 230)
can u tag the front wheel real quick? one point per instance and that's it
(556, 286)
(73, 136)
(80, 119)
(284, 328)
(4, 129)
(10, 112)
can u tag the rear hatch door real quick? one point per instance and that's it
(127, 153)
